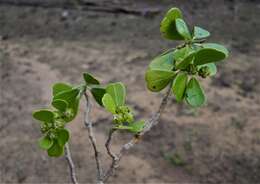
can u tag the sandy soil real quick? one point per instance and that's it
(219, 143)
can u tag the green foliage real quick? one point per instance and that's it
(158, 79)
(200, 33)
(193, 58)
(194, 93)
(114, 102)
(109, 103)
(44, 115)
(179, 86)
(179, 67)
(98, 92)
(89, 79)
(117, 92)
(183, 29)
(168, 24)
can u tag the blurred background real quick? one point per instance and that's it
(46, 41)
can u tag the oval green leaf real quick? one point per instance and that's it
(98, 92)
(179, 86)
(60, 87)
(157, 80)
(109, 103)
(55, 150)
(200, 33)
(44, 115)
(118, 92)
(60, 105)
(163, 62)
(195, 94)
(63, 137)
(45, 142)
(183, 29)
(209, 53)
(89, 79)
(168, 26)
(183, 57)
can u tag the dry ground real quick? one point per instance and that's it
(219, 143)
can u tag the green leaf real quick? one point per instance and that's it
(98, 93)
(168, 26)
(123, 127)
(117, 92)
(68, 96)
(89, 79)
(164, 62)
(45, 142)
(44, 115)
(183, 29)
(55, 150)
(200, 33)
(63, 137)
(137, 126)
(157, 80)
(183, 57)
(195, 94)
(179, 85)
(209, 53)
(60, 87)
(60, 105)
(212, 68)
(109, 103)
(72, 98)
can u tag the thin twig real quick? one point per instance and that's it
(148, 125)
(71, 164)
(92, 138)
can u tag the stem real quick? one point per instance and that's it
(148, 125)
(71, 164)
(92, 138)
(113, 156)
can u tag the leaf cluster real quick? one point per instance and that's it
(181, 66)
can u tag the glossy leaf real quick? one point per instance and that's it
(163, 62)
(195, 94)
(168, 25)
(212, 68)
(60, 87)
(55, 150)
(98, 92)
(45, 142)
(200, 33)
(183, 29)
(179, 86)
(157, 80)
(117, 92)
(137, 126)
(60, 105)
(183, 57)
(109, 103)
(44, 115)
(63, 137)
(72, 98)
(209, 53)
(89, 79)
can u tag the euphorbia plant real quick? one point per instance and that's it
(179, 68)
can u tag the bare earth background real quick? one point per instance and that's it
(219, 143)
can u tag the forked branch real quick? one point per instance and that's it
(148, 125)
